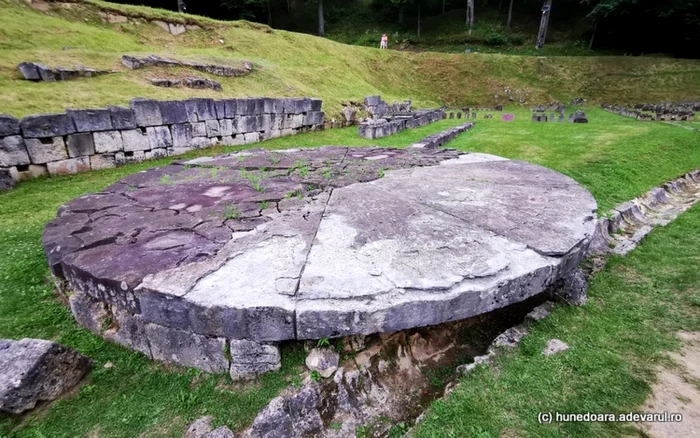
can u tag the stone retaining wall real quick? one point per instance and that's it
(662, 112)
(93, 139)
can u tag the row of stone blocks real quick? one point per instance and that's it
(660, 116)
(240, 358)
(372, 129)
(436, 140)
(81, 140)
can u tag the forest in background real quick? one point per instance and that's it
(635, 27)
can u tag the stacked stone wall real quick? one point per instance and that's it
(390, 125)
(94, 139)
(661, 112)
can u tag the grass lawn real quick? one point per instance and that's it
(617, 340)
(614, 157)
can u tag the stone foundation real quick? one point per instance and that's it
(93, 139)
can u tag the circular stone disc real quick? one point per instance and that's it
(313, 243)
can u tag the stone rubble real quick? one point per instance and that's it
(323, 360)
(437, 140)
(387, 119)
(35, 370)
(554, 346)
(34, 71)
(135, 63)
(660, 112)
(196, 83)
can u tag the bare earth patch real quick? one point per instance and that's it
(678, 391)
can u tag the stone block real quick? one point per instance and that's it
(70, 166)
(250, 359)
(225, 108)
(122, 118)
(227, 127)
(43, 150)
(13, 151)
(178, 150)
(80, 145)
(47, 125)
(127, 329)
(34, 370)
(182, 135)
(88, 312)
(8, 126)
(258, 105)
(213, 128)
(187, 349)
(146, 112)
(136, 140)
(250, 124)
(46, 73)
(316, 104)
(7, 182)
(173, 112)
(314, 118)
(159, 137)
(200, 109)
(245, 107)
(29, 71)
(293, 121)
(273, 106)
(372, 100)
(156, 153)
(289, 106)
(108, 141)
(122, 158)
(199, 129)
(251, 137)
(105, 161)
(91, 120)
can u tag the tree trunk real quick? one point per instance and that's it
(401, 15)
(181, 5)
(321, 23)
(510, 14)
(443, 7)
(544, 24)
(470, 15)
(595, 27)
(418, 21)
(269, 14)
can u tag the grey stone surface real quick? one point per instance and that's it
(554, 346)
(122, 118)
(90, 120)
(136, 140)
(216, 248)
(108, 141)
(187, 349)
(200, 110)
(323, 360)
(34, 370)
(7, 182)
(146, 112)
(173, 112)
(69, 166)
(8, 126)
(158, 137)
(221, 432)
(47, 125)
(572, 288)
(200, 427)
(80, 145)
(13, 151)
(250, 359)
(46, 149)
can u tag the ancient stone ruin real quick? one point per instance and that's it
(436, 140)
(387, 119)
(135, 63)
(196, 83)
(210, 263)
(82, 140)
(661, 112)
(35, 370)
(36, 72)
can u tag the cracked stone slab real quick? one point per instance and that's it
(264, 246)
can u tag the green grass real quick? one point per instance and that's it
(291, 64)
(617, 340)
(615, 157)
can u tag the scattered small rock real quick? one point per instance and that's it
(36, 72)
(196, 83)
(199, 428)
(6, 180)
(323, 360)
(108, 365)
(554, 346)
(579, 117)
(34, 370)
(540, 312)
(135, 63)
(510, 338)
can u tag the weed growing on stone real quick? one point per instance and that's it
(381, 172)
(264, 205)
(315, 376)
(230, 211)
(323, 342)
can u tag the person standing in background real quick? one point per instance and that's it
(385, 42)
